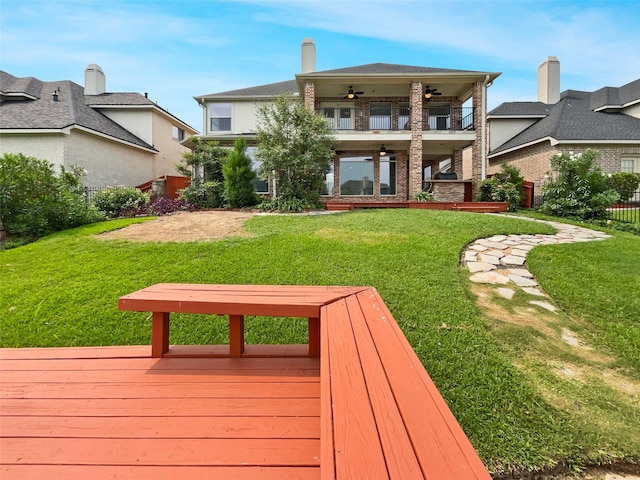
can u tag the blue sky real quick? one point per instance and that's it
(175, 50)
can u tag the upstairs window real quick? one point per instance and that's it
(177, 133)
(220, 117)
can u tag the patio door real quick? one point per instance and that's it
(338, 116)
(380, 116)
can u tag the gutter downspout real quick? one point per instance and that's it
(484, 127)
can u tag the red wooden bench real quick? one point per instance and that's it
(381, 415)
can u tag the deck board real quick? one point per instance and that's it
(109, 412)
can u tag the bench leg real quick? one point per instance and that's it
(314, 337)
(236, 335)
(159, 334)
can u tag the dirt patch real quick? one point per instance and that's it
(185, 227)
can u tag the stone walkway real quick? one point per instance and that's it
(501, 259)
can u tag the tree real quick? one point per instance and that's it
(576, 187)
(238, 174)
(204, 165)
(294, 145)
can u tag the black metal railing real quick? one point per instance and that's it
(627, 210)
(397, 119)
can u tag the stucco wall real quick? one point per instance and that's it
(502, 129)
(169, 150)
(138, 122)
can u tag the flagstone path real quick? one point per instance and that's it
(501, 259)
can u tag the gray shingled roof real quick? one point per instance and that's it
(117, 99)
(270, 89)
(290, 86)
(70, 109)
(10, 85)
(392, 68)
(573, 118)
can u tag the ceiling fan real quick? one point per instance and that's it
(351, 95)
(429, 92)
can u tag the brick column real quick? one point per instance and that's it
(415, 147)
(479, 111)
(310, 95)
(456, 162)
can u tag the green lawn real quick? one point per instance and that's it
(63, 290)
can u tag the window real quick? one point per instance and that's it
(388, 175)
(329, 181)
(380, 116)
(356, 176)
(177, 133)
(630, 165)
(259, 185)
(220, 117)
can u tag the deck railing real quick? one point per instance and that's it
(395, 119)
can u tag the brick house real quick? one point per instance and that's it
(395, 125)
(118, 138)
(528, 134)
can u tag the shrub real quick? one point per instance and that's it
(159, 206)
(34, 201)
(115, 201)
(576, 187)
(492, 190)
(425, 196)
(625, 183)
(238, 176)
(204, 195)
(504, 186)
(285, 205)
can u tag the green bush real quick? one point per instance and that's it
(492, 190)
(503, 186)
(625, 183)
(425, 196)
(204, 195)
(285, 205)
(114, 201)
(238, 176)
(576, 187)
(34, 201)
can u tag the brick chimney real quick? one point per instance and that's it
(308, 56)
(549, 81)
(94, 80)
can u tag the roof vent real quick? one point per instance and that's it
(55, 95)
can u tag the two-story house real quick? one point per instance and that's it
(118, 138)
(528, 134)
(395, 125)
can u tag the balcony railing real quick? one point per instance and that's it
(396, 119)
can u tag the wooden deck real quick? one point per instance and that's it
(115, 412)
(366, 408)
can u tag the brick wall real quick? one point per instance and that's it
(535, 161)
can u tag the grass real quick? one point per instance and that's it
(63, 290)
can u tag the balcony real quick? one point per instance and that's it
(441, 118)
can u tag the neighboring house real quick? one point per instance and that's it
(118, 138)
(528, 134)
(395, 124)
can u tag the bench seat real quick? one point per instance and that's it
(382, 417)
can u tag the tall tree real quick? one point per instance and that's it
(295, 146)
(238, 174)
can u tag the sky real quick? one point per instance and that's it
(175, 50)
